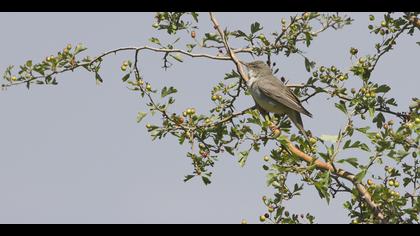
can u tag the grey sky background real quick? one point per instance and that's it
(74, 153)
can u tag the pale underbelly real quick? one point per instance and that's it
(267, 103)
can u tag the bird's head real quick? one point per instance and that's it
(257, 67)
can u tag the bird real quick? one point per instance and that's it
(272, 95)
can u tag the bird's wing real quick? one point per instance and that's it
(275, 89)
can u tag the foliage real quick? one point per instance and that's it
(390, 137)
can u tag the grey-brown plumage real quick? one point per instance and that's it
(272, 95)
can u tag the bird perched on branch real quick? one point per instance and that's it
(272, 95)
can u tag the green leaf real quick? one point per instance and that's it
(79, 48)
(155, 40)
(352, 161)
(126, 77)
(140, 116)
(361, 175)
(383, 88)
(98, 78)
(167, 91)
(206, 180)
(188, 177)
(255, 27)
(371, 111)
(363, 129)
(195, 16)
(308, 38)
(329, 138)
(322, 186)
(307, 64)
(243, 156)
(342, 107)
(379, 120)
(229, 150)
(177, 57)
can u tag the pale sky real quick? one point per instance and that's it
(74, 153)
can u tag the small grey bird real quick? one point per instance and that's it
(272, 95)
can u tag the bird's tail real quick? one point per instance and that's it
(297, 120)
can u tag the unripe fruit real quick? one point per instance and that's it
(370, 182)
(283, 21)
(155, 25)
(414, 154)
(244, 222)
(353, 51)
(315, 74)
(312, 140)
(333, 69)
(371, 17)
(264, 198)
(370, 27)
(409, 125)
(149, 87)
(184, 114)
(214, 97)
(123, 68)
(13, 78)
(342, 78)
(193, 34)
(266, 158)
(417, 120)
(262, 218)
(396, 184)
(355, 221)
(125, 64)
(69, 46)
(353, 90)
(261, 36)
(322, 69)
(391, 183)
(383, 24)
(270, 209)
(276, 132)
(148, 126)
